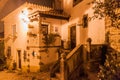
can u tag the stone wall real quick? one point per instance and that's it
(112, 35)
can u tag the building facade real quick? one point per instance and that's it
(26, 35)
(28, 30)
(80, 26)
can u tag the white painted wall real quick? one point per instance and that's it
(20, 42)
(76, 14)
(95, 30)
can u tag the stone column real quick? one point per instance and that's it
(62, 67)
(86, 62)
(89, 40)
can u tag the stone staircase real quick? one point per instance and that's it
(77, 62)
(93, 76)
(71, 60)
(57, 77)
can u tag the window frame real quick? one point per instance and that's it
(14, 30)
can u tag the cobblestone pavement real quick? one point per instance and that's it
(16, 75)
(8, 75)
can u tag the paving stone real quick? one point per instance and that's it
(5, 75)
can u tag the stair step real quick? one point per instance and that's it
(93, 76)
(54, 79)
(58, 75)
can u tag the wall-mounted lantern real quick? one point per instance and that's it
(34, 53)
(85, 21)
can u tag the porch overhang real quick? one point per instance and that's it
(49, 14)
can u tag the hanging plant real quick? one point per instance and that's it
(30, 34)
(50, 38)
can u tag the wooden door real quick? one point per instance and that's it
(19, 58)
(73, 37)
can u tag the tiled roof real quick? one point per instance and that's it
(51, 14)
(13, 4)
(36, 7)
(45, 8)
(54, 13)
(42, 2)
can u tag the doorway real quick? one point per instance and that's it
(19, 58)
(73, 37)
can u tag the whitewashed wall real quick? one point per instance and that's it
(95, 30)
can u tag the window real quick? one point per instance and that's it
(44, 29)
(55, 29)
(75, 2)
(9, 52)
(25, 55)
(118, 2)
(14, 30)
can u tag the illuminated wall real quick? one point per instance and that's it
(94, 28)
(17, 38)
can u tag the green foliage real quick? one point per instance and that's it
(111, 68)
(108, 8)
(49, 38)
(2, 56)
(30, 34)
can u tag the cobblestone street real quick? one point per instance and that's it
(10, 75)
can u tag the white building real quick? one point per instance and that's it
(26, 27)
